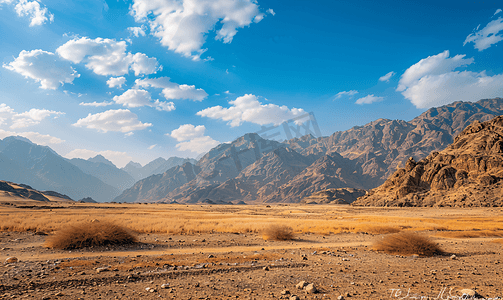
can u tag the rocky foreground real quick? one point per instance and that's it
(467, 173)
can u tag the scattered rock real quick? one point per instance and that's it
(211, 256)
(294, 297)
(454, 256)
(165, 286)
(285, 292)
(11, 260)
(265, 268)
(301, 284)
(310, 289)
(341, 297)
(470, 293)
(102, 269)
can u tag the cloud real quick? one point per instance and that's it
(116, 82)
(439, 84)
(369, 99)
(35, 137)
(32, 9)
(497, 11)
(121, 120)
(182, 26)
(248, 108)
(349, 94)
(487, 36)
(387, 76)
(43, 67)
(28, 118)
(432, 65)
(32, 117)
(270, 11)
(96, 104)
(139, 98)
(107, 57)
(137, 31)
(171, 90)
(120, 159)
(192, 138)
(151, 147)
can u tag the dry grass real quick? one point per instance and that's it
(470, 234)
(407, 243)
(90, 234)
(276, 232)
(197, 219)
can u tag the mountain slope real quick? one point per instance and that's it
(108, 173)
(467, 173)
(44, 169)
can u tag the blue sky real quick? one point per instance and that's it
(135, 80)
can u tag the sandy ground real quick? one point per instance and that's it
(244, 266)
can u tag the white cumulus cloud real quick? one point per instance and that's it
(182, 25)
(43, 67)
(116, 82)
(497, 11)
(32, 9)
(137, 31)
(387, 77)
(122, 120)
(96, 104)
(107, 57)
(139, 98)
(248, 108)
(120, 159)
(433, 81)
(171, 90)
(484, 38)
(32, 117)
(369, 99)
(192, 138)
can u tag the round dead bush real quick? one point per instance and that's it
(277, 232)
(407, 243)
(90, 234)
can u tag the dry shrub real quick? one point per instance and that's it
(277, 232)
(470, 234)
(407, 243)
(90, 234)
(499, 241)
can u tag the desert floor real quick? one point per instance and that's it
(242, 265)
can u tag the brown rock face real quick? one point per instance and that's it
(469, 172)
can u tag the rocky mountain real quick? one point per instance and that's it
(10, 191)
(157, 166)
(469, 172)
(106, 172)
(253, 169)
(102, 160)
(334, 196)
(44, 169)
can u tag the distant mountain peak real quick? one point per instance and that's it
(133, 164)
(101, 159)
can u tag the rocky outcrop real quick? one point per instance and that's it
(335, 196)
(469, 172)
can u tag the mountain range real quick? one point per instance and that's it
(254, 169)
(43, 169)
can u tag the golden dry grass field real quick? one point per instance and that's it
(248, 251)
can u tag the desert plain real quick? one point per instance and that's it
(221, 252)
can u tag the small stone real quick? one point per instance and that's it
(469, 292)
(301, 284)
(164, 285)
(294, 297)
(341, 297)
(11, 260)
(211, 256)
(265, 268)
(102, 269)
(285, 292)
(454, 256)
(310, 289)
